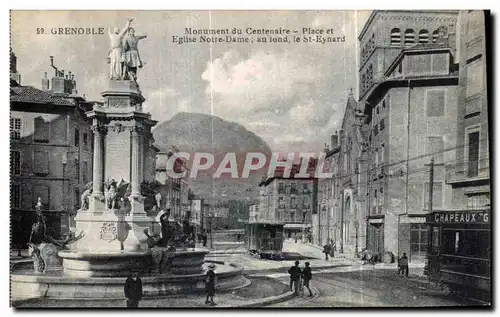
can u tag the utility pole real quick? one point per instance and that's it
(431, 184)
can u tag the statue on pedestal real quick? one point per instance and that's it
(110, 194)
(115, 54)
(131, 57)
(85, 196)
(40, 241)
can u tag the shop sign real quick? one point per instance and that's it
(469, 217)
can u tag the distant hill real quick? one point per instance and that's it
(195, 132)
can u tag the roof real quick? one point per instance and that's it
(419, 48)
(31, 94)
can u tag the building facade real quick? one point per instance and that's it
(50, 154)
(459, 250)
(289, 201)
(408, 87)
(172, 187)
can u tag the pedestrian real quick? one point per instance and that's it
(295, 274)
(205, 238)
(307, 276)
(403, 263)
(295, 238)
(326, 250)
(133, 290)
(333, 248)
(210, 285)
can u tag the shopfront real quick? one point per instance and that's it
(459, 249)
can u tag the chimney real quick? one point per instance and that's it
(334, 140)
(45, 83)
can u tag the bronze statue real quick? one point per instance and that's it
(39, 235)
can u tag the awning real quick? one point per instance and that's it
(297, 225)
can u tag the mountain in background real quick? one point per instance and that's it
(195, 132)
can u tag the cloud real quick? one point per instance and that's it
(165, 103)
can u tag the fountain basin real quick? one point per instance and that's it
(57, 284)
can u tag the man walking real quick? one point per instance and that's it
(295, 273)
(403, 264)
(307, 276)
(133, 290)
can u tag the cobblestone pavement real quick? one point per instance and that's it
(372, 288)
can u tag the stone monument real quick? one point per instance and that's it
(114, 222)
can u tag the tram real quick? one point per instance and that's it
(459, 251)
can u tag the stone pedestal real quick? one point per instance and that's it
(113, 237)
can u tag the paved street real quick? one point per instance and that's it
(370, 288)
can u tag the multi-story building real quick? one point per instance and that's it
(408, 88)
(50, 154)
(459, 251)
(289, 201)
(197, 214)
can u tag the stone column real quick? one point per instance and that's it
(136, 161)
(99, 132)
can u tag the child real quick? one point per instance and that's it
(210, 285)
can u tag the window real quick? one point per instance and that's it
(77, 137)
(382, 124)
(377, 109)
(305, 202)
(375, 129)
(281, 202)
(85, 172)
(15, 162)
(435, 36)
(77, 170)
(480, 200)
(363, 82)
(77, 198)
(281, 188)
(473, 154)
(305, 188)
(437, 195)
(383, 104)
(15, 128)
(293, 188)
(395, 37)
(85, 141)
(41, 163)
(382, 154)
(374, 203)
(380, 200)
(435, 103)
(41, 134)
(409, 37)
(15, 196)
(418, 240)
(435, 147)
(292, 217)
(293, 204)
(423, 36)
(474, 78)
(466, 251)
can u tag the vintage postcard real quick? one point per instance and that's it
(277, 159)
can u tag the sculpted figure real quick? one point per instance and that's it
(110, 194)
(115, 54)
(85, 197)
(132, 59)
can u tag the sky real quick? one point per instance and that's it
(291, 95)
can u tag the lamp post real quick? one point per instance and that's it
(356, 225)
